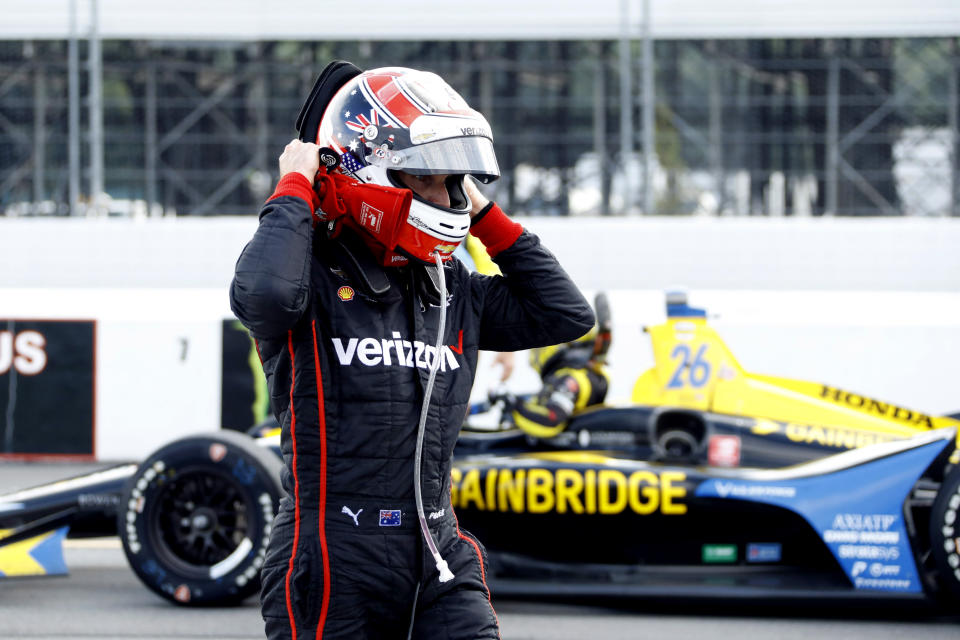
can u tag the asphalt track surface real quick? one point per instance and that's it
(102, 598)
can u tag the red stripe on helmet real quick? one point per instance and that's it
(396, 104)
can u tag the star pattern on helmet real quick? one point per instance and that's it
(346, 114)
(350, 163)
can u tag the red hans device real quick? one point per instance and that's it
(422, 246)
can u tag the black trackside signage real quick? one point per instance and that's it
(394, 352)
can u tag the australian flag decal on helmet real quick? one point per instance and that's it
(389, 517)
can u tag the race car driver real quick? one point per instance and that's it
(369, 336)
(574, 376)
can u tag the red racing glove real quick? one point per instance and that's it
(380, 211)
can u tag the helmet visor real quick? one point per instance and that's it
(472, 154)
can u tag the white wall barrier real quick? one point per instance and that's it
(872, 306)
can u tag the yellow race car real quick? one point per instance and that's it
(716, 482)
(694, 369)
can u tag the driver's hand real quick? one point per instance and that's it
(505, 359)
(478, 200)
(300, 157)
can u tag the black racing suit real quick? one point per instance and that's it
(347, 363)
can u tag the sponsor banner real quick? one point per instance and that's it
(824, 436)
(723, 451)
(47, 372)
(868, 551)
(764, 552)
(746, 490)
(857, 512)
(875, 407)
(578, 491)
(395, 352)
(244, 400)
(718, 553)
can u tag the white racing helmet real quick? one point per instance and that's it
(395, 119)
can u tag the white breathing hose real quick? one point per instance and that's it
(445, 573)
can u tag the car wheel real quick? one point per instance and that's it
(195, 518)
(945, 533)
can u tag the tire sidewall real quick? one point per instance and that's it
(234, 456)
(945, 534)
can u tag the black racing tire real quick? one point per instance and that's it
(195, 518)
(945, 535)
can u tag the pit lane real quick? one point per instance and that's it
(102, 598)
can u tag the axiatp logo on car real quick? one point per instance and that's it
(393, 352)
(535, 490)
